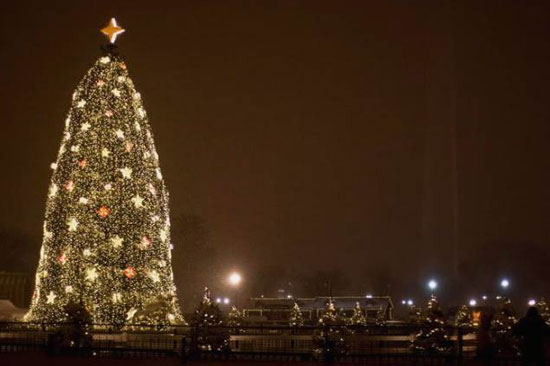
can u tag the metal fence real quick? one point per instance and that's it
(389, 344)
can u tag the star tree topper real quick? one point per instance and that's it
(112, 30)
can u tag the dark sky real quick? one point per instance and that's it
(311, 135)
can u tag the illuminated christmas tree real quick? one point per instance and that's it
(296, 317)
(207, 313)
(357, 319)
(544, 311)
(329, 337)
(432, 336)
(381, 316)
(330, 317)
(415, 315)
(463, 318)
(206, 332)
(106, 240)
(234, 318)
(502, 326)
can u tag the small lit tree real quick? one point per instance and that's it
(543, 309)
(463, 318)
(415, 315)
(208, 315)
(381, 316)
(234, 318)
(432, 336)
(330, 317)
(329, 338)
(358, 319)
(502, 324)
(296, 317)
(76, 333)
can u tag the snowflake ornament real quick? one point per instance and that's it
(72, 224)
(91, 274)
(53, 190)
(145, 243)
(126, 172)
(138, 201)
(117, 241)
(154, 275)
(51, 298)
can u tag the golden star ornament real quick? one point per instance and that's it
(112, 30)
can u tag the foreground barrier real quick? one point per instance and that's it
(389, 344)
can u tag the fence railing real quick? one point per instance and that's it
(230, 342)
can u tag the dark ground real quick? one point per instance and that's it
(20, 359)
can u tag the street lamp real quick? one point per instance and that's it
(234, 279)
(504, 283)
(432, 284)
(532, 302)
(473, 302)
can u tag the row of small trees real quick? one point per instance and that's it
(332, 327)
(208, 335)
(209, 314)
(211, 328)
(433, 335)
(335, 317)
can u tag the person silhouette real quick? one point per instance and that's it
(532, 330)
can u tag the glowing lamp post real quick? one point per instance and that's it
(432, 284)
(234, 279)
(504, 283)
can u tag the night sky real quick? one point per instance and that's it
(372, 143)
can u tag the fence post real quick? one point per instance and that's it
(183, 351)
(460, 340)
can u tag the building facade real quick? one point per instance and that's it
(272, 310)
(15, 287)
